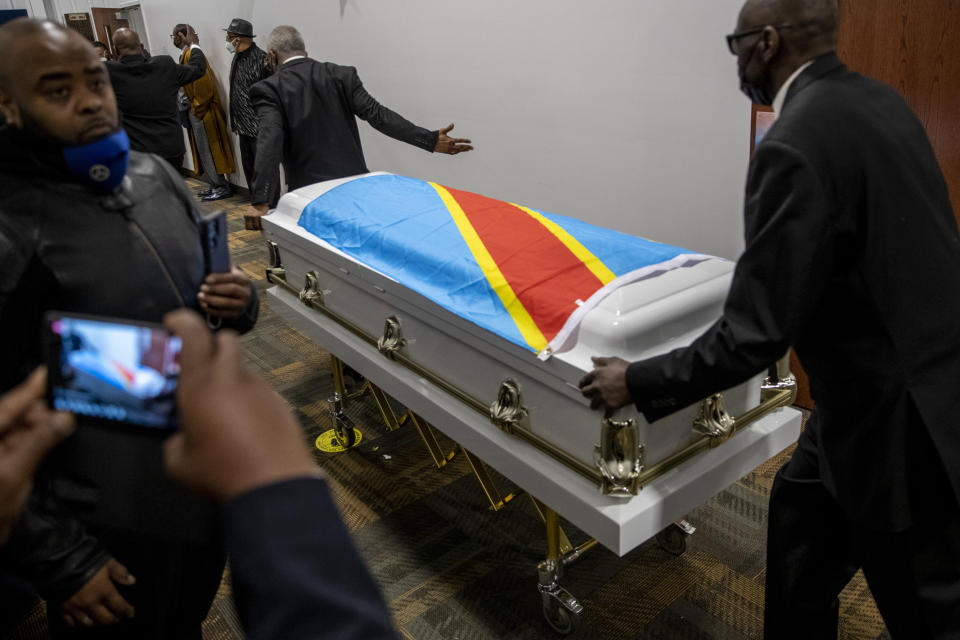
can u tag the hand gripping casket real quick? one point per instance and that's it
(501, 307)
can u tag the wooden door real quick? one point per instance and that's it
(107, 22)
(913, 46)
(79, 22)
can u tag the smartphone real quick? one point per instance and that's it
(112, 371)
(213, 237)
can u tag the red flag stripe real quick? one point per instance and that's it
(546, 276)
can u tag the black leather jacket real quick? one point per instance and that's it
(132, 254)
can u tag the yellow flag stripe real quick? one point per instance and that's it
(528, 328)
(589, 260)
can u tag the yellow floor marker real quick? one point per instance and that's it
(328, 442)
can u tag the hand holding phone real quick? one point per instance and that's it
(225, 295)
(112, 371)
(215, 241)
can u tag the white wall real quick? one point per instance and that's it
(78, 6)
(625, 113)
(7, 5)
(59, 7)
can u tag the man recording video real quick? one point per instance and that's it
(88, 226)
(239, 444)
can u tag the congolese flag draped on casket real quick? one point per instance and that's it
(525, 275)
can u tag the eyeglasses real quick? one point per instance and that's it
(733, 40)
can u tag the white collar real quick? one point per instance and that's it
(782, 93)
(291, 58)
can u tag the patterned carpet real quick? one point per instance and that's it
(451, 569)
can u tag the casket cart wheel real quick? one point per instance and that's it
(559, 618)
(345, 434)
(673, 540)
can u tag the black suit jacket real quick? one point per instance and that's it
(308, 113)
(852, 256)
(146, 92)
(295, 570)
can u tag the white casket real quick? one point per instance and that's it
(620, 480)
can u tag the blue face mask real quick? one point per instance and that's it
(101, 164)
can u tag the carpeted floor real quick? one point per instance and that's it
(451, 569)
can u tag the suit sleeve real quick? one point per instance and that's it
(194, 69)
(15, 256)
(269, 144)
(789, 254)
(295, 570)
(48, 547)
(265, 70)
(24, 280)
(382, 119)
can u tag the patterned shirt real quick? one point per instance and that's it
(248, 68)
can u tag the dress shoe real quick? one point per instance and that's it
(218, 193)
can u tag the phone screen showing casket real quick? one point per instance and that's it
(113, 371)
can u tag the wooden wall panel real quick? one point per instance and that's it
(914, 46)
(107, 22)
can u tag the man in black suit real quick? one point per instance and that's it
(308, 113)
(146, 90)
(853, 257)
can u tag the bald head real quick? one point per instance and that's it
(52, 81)
(127, 42)
(18, 37)
(813, 23)
(774, 38)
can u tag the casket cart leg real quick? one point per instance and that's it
(560, 608)
(344, 431)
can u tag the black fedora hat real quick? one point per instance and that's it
(240, 27)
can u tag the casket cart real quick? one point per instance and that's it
(618, 478)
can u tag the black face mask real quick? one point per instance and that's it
(760, 92)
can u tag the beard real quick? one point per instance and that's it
(33, 128)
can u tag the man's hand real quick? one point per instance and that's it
(225, 295)
(251, 218)
(606, 385)
(98, 601)
(28, 430)
(451, 146)
(236, 434)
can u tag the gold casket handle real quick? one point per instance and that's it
(713, 420)
(390, 343)
(507, 412)
(619, 456)
(311, 292)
